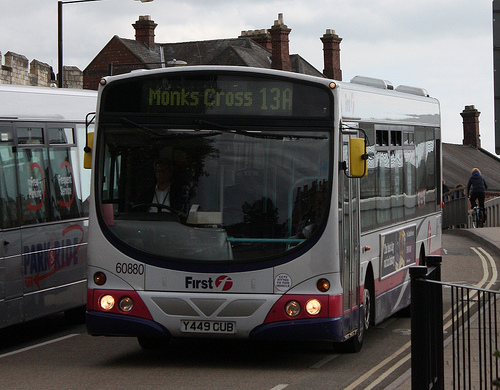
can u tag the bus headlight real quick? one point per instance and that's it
(313, 307)
(292, 308)
(126, 304)
(107, 302)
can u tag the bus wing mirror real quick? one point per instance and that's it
(87, 157)
(357, 157)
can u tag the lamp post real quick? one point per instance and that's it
(60, 35)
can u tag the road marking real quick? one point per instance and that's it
(324, 361)
(378, 366)
(493, 266)
(403, 332)
(387, 372)
(484, 260)
(38, 345)
(486, 272)
(279, 387)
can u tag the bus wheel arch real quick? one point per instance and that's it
(369, 298)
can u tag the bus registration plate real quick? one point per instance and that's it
(221, 327)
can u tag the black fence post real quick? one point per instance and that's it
(436, 335)
(427, 360)
(419, 360)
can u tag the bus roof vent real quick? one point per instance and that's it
(412, 90)
(372, 82)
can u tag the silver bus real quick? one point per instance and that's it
(43, 196)
(296, 204)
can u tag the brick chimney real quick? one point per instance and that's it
(331, 55)
(262, 37)
(471, 127)
(145, 31)
(280, 57)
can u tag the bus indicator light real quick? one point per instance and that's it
(99, 278)
(323, 285)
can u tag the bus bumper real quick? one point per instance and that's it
(323, 329)
(106, 324)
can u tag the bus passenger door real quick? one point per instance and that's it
(11, 267)
(349, 241)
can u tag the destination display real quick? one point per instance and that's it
(215, 94)
(278, 98)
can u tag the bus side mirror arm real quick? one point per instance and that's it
(89, 141)
(358, 156)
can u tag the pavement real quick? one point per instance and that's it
(489, 238)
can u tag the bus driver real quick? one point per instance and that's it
(163, 174)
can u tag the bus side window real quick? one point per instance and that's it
(65, 189)
(66, 200)
(8, 188)
(34, 191)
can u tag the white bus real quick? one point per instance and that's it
(271, 228)
(44, 220)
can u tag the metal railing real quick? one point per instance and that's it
(473, 322)
(492, 209)
(456, 212)
(474, 337)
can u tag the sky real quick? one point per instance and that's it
(444, 46)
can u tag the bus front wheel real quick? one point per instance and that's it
(355, 343)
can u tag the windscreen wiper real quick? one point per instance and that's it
(256, 134)
(162, 133)
(143, 129)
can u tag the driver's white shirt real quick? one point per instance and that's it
(161, 197)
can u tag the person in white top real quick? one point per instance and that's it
(163, 173)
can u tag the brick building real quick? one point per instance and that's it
(266, 48)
